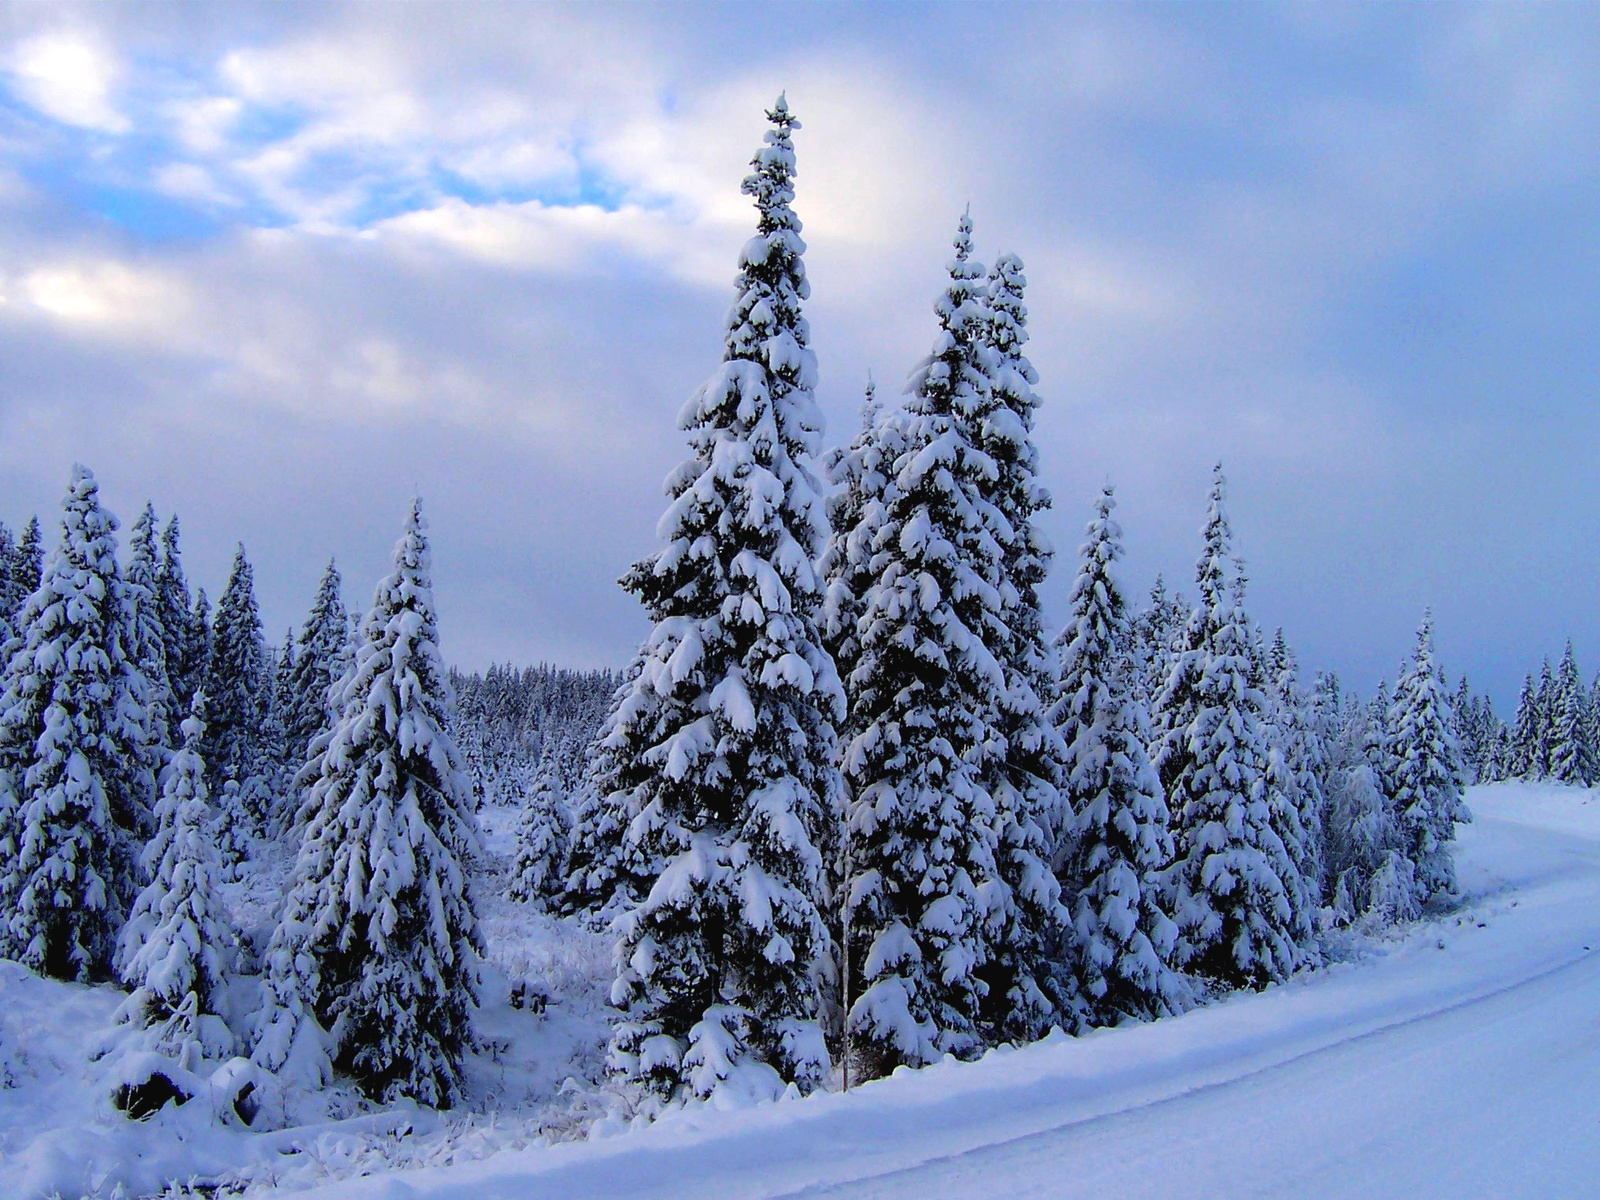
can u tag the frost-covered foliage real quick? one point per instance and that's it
(185, 644)
(74, 798)
(542, 833)
(1572, 757)
(1295, 775)
(511, 719)
(1025, 928)
(925, 696)
(721, 749)
(1112, 863)
(1156, 636)
(862, 475)
(319, 659)
(1427, 795)
(236, 678)
(174, 951)
(1233, 875)
(147, 635)
(378, 942)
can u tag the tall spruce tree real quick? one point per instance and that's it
(174, 951)
(379, 938)
(1525, 734)
(147, 636)
(29, 569)
(1427, 774)
(180, 638)
(319, 662)
(1026, 928)
(724, 746)
(1235, 915)
(1572, 757)
(924, 698)
(72, 753)
(1124, 936)
(237, 680)
(1297, 766)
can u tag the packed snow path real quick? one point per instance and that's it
(1461, 1059)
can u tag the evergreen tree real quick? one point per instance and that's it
(378, 942)
(70, 749)
(1297, 767)
(925, 692)
(1027, 925)
(1544, 703)
(863, 476)
(1525, 734)
(236, 676)
(146, 639)
(1156, 635)
(724, 746)
(318, 666)
(29, 568)
(1236, 919)
(1572, 758)
(1124, 936)
(174, 951)
(180, 638)
(1465, 708)
(1427, 777)
(541, 837)
(11, 598)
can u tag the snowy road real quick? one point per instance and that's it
(1463, 1061)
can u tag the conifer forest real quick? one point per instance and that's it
(859, 831)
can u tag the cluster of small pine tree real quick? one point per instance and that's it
(1554, 733)
(850, 802)
(148, 743)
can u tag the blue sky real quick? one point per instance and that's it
(276, 266)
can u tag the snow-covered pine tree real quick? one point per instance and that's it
(542, 834)
(29, 564)
(236, 679)
(724, 745)
(1465, 708)
(10, 597)
(1235, 916)
(1572, 757)
(379, 940)
(1298, 763)
(1545, 706)
(862, 475)
(1427, 797)
(71, 753)
(175, 949)
(1155, 637)
(1124, 936)
(1525, 734)
(924, 696)
(320, 661)
(264, 792)
(146, 638)
(183, 643)
(1027, 927)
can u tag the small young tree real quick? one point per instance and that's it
(1124, 936)
(1572, 757)
(379, 939)
(542, 836)
(237, 679)
(146, 638)
(175, 948)
(1427, 776)
(1525, 735)
(320, 660)
(1236, 919)
(184, 643)
(71, 753)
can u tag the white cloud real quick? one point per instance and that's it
(68, 77)
(109, 298)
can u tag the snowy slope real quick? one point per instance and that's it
(1462, 1059)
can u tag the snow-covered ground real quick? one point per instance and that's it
(1457, 1058)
